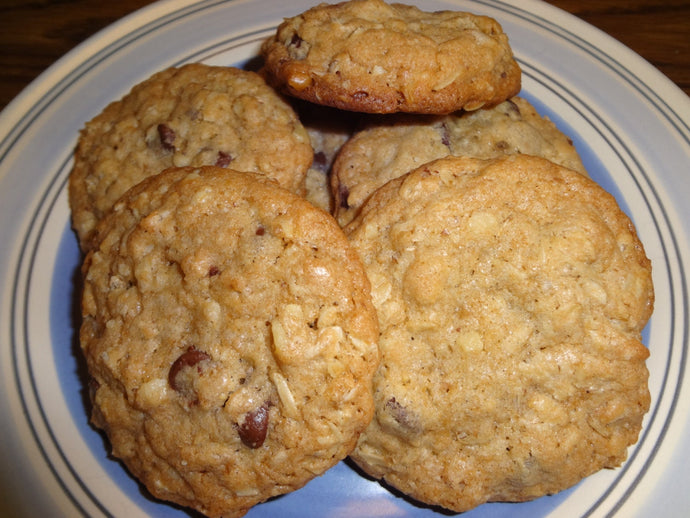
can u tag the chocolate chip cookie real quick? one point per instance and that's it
(188, 116)
(511, 296)
(230, 336)
(371, 56)
(390, 147)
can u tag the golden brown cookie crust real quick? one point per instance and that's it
(188, 116)
(390, 147)
(370, 56)
(230, 336)
(511, 296)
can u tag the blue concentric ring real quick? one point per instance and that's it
(27, 259)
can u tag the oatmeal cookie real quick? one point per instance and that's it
(390, 147)
(370, 56)
(511, 296)
(230, 336)
(188, 116)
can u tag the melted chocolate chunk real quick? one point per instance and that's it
(167, 136)
(254, 428)
(223, 159)
(189, 358)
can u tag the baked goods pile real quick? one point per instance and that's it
(372, 248)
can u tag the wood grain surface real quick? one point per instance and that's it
(35, 33)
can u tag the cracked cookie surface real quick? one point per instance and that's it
(371, 56)
(188, 116)
(511, 295)
(230, 336)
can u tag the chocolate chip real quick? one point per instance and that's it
(167, 136)
(513, 106)
(445, 136)
(254, 428)
(406, 419)
(296, 41)
(320, 161)
(213, 271)
(260, 231)
(189, 358)
(223, 159)
(343, 194)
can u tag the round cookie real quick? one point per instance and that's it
(370, 56)
(230, 336)
(389, 147)
(511, 296)
(188, 116)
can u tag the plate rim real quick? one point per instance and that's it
(143, 14)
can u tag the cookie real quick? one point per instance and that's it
(328, 130)
(188, 116)
(389, 147)
(511, 296)
(370, 56)
(230, 336)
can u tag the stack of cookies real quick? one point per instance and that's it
(371, 248)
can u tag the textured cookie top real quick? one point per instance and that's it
(230, 335)
(369, 56)
(188, 116)
(511, 295)
(389, 147)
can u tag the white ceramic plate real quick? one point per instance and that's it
(631, 125)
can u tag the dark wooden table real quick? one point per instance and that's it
(33, 34)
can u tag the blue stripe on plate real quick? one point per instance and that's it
(29, 249)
